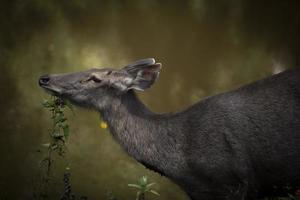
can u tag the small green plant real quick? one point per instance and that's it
(58, 136)
(60, 129)
(143, 187)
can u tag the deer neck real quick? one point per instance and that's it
(132, 125)
(146, 136)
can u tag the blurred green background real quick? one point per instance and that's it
(206, 47)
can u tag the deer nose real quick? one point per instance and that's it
(44, 80)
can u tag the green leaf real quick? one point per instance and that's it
(57, 135)
(54, 146)
(138, 194)
(66, 130)
(143, 180)
(59, 118)
(46, 145)
(134, 185)
(48, 103)
(70, 106)
(154, 192)
(150, 185)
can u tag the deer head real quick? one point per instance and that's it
(99, 87)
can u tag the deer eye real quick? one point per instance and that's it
(92, 78)
(95, 79)
(109, 72)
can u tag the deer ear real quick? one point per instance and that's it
(143, 72)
